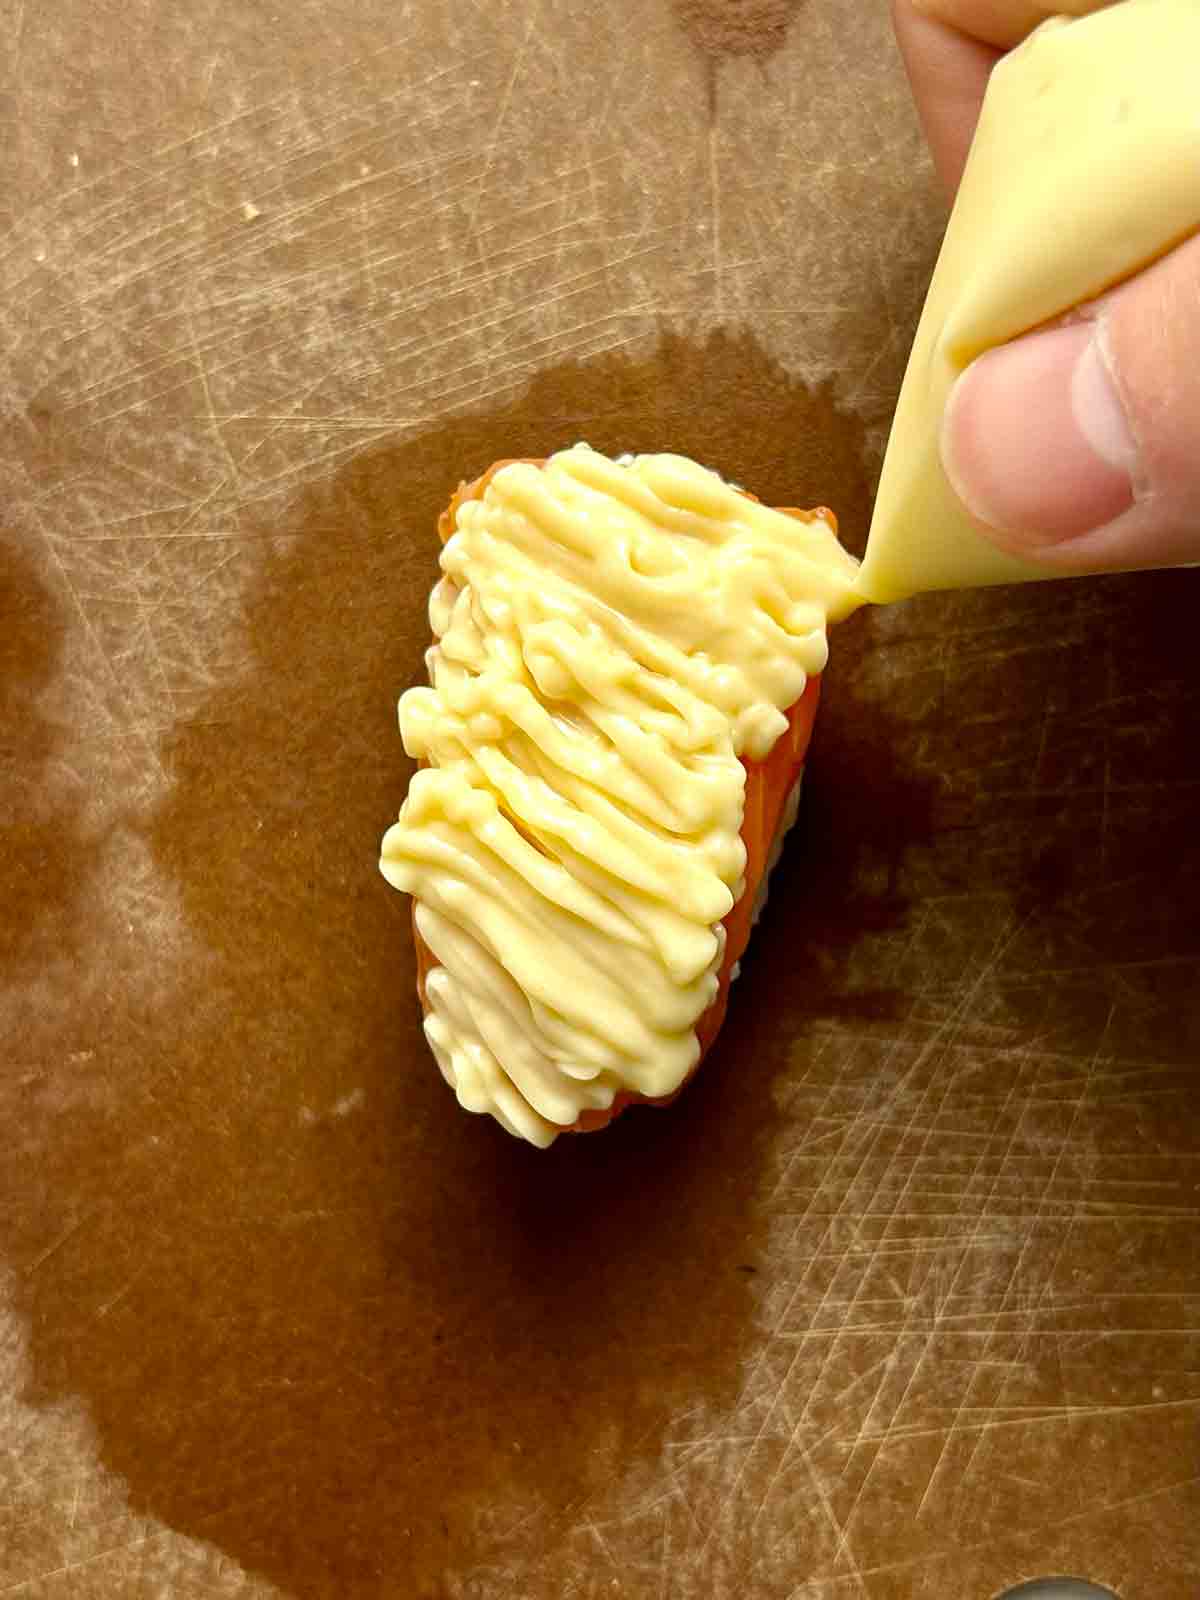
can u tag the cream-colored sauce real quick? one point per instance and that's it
(610, 640)
(1084, 168)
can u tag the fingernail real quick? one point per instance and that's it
(1036, 443)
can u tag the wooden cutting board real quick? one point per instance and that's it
(903, 1298)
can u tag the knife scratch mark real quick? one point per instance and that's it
(501, 114)
(68, 1233)
(814, 1317)
(960, 1548)
(206, 390)
(583, 279)
(714, 206)
(147, 612)
(594, 1529)
(210, 254)
(1066, 1233)
(839, 1531)
(853, 1126)
(279, 423)
(1002, 943)
(278, 105)
(1055, 1416)
(86, 1561)
(93, 637)
(884, 1364)
(16, 39)
(973, 1243)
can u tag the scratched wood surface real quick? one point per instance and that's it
(903, 1299)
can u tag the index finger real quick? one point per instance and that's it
(948, 72)
(949, 49)
(1001, 23)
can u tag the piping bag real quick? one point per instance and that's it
(1084, 169)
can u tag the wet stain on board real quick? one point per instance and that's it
(40, 859)
(723, 29)
(359, 1327)
(729, 30)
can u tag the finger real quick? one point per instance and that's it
(948, 72)
(1001, 23)
(1076, 447)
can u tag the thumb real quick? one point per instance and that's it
(1079, 447)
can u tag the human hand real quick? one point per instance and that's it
(1076, 447)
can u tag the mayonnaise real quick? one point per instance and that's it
(611, 640)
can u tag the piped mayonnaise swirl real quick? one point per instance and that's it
(611, 639)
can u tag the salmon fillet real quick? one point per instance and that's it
(768, 785)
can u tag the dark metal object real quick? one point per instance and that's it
(1058, 1589)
